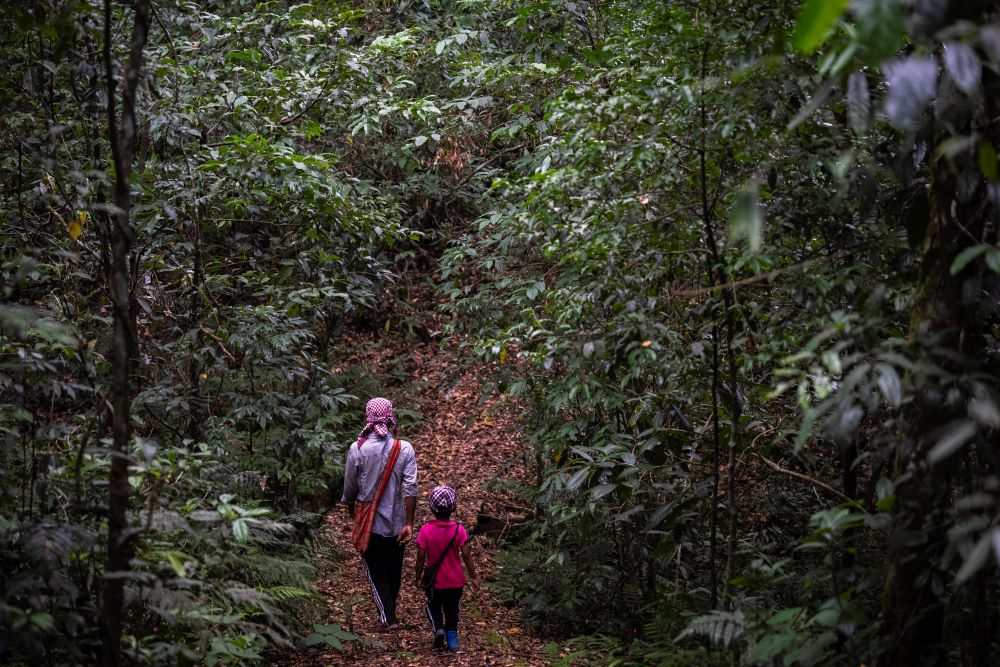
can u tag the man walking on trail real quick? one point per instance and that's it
(380, 491)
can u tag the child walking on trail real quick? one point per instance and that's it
(439, 543)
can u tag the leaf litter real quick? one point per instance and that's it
(463, 440)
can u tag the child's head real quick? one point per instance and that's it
(442, 500)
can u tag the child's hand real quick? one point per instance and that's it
(418, 584)
(475, 584)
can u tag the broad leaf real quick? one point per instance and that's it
(977, 557)
(987, 156)
(966, 256)
(241, 531)
(815, 22)
(957, 435)
(963, 66)
(859, 108)
(880, 27)
(748, 218)
(577, 479)
(912, 82)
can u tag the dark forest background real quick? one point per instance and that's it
(737, 259)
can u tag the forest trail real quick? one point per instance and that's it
(459, 441)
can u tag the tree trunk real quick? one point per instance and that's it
(917, 588)
(120, 537)
(713, 572)
(717, 274)
(194, 324)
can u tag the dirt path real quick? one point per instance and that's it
(462, 443)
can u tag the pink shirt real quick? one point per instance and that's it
(433, 538)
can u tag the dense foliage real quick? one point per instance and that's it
(237, 415)
(739, 259)
(723, 260)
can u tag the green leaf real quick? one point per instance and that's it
(602, 490)
(977, 557)
(890, 385)
(958, 434)
(256, 511)
(955, 146)
(42, 620)
(177, 560)
(785, 616)
(770, 645)
(993, 259)
(988, 161)
(332, 635)
(962, 64)
(747, 218)
(912, 83)
(885, 490)
(985, 411)
(967, 256)
(241, 531)
(815, 22)
(330, 640)
(859, 107)
(880, 27)
(334, 630)
(577, 479)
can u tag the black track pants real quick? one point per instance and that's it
(384, 568)
(444, 600)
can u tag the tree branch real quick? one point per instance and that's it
(219, 342)
(804, 478)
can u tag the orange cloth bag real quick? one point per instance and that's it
(364, 511)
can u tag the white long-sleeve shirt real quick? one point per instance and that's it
(363, 470)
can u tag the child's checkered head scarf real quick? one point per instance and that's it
(442, 499)
(378, 419)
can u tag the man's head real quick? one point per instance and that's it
(379, 411)
(442, 501)
(379, 419)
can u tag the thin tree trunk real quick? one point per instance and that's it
(125, 348)
(194, 367)
(713, 573)
(735, 412)
(716, 273)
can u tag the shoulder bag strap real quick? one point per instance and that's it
(389, 465)
(447, 548)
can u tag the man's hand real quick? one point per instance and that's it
(350, 509)
(418, 584)
(405, 534)
(475, 583)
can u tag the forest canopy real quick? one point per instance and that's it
(730, 267)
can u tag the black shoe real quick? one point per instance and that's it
(438, 641)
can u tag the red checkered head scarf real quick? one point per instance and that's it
(442, 499)
(379, 419)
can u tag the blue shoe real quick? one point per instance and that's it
(452, 636)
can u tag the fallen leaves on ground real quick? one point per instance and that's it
(461, 441)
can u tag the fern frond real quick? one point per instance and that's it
(719, 627)
(286, 593)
